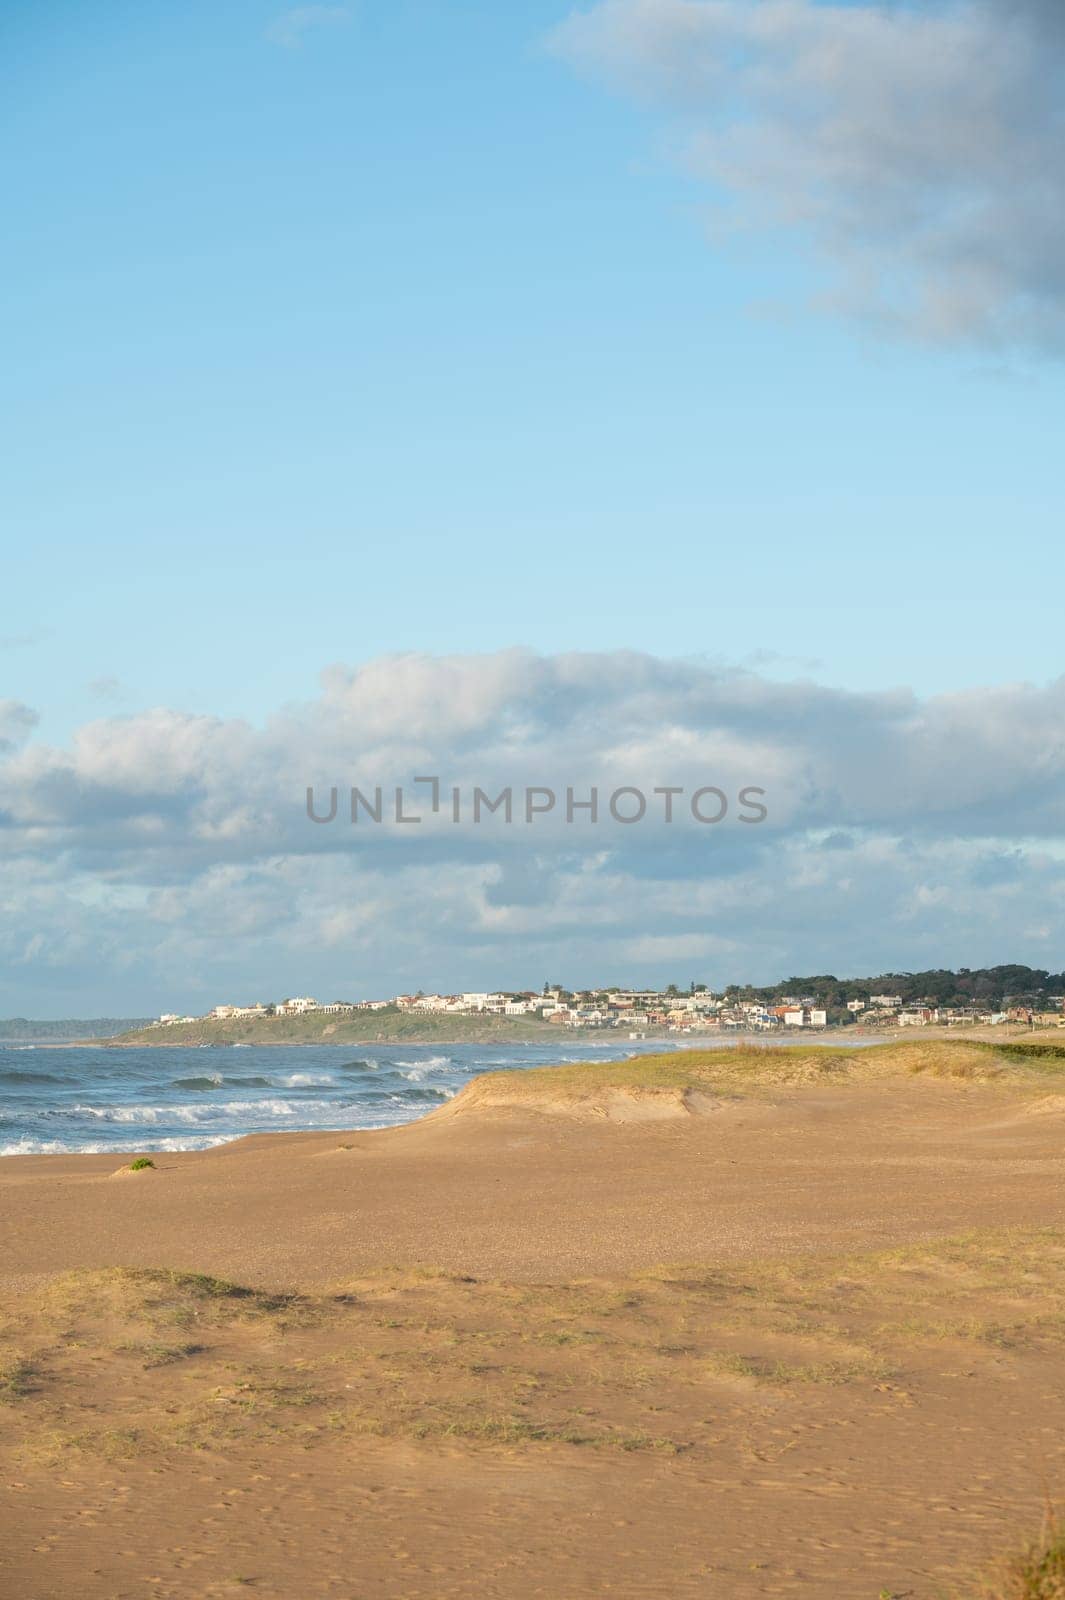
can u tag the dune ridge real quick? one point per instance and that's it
(772, 1323)
(699, 1082)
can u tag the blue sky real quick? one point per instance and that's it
(343, 331)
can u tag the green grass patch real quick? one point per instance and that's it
(16, 1379)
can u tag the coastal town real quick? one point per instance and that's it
(696, 1011)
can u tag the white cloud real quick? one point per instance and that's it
(163, 858)
(918, 147)
(290, 28)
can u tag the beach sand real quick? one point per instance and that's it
(721, 1337)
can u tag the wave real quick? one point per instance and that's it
(215, 1080)
(58, 1147)
(127, 1101)
(193, 1113)
(430, 1092)
(13, 1075)
(37, 1147)
(415, 1071)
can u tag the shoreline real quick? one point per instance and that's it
(838, 1037)
(676, 1049)
(724, 1309)
(520, 1140)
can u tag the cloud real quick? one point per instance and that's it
(17, 722)
(166, 859)
(917, 147)
(289, 29)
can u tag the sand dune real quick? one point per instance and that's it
(726, 1325)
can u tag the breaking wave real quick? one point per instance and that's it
(58, 1147)
(92, 1098)
(153, 1115)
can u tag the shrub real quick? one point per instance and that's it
(1037, 1573)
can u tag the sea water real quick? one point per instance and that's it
(95, 1098)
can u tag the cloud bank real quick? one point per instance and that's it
(919, 148)
(166, 859)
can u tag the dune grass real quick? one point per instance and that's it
(156, 1361)
(749, 1068)
(1036, 1572)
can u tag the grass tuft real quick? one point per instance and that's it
(16, 1379)
(1036, 1573)
(752, 1069)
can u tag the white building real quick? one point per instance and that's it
(805, 1017)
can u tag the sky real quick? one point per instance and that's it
(656, 392)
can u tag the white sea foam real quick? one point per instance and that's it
(210, 1112)
(123, 1105)
(58, 1147)
(416, 1071)
(40, 1147)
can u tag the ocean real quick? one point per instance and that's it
(91, 1099)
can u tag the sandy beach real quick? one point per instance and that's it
(732, 1325)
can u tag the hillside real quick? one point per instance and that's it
(367, 1027)
(25, 1030)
